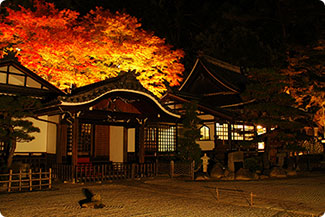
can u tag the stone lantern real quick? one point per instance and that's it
(205, 162)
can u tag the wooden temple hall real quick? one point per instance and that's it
(118, 121)
(115, 120)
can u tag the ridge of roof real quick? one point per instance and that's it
(223, 82)
(219, 71)
(222, 64)
(126, 80)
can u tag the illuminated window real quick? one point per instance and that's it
(15, 70)
(260, 146)
(150, 139)
(84, 139)
(260, 130)
(32, 83)
(237, 132)
(3, 78)
(161, 139)
(222, 131)
(2, 146)
(3, 68)
(166, 138)
(204, 133)
(16, 79)
(249, 132)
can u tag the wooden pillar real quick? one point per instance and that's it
(58, 145)
(61, 146)
(75, 132)
(125, 144)
(215, 137)
(229, 136)
(141, 143)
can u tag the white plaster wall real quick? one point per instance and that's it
(206, 145)
(116, 143)
(206, 117)
(39, 144)
(131, 140)
(52, 134)
(45, 140)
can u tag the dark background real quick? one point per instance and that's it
(249, 33)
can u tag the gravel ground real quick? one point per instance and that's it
(161, 196)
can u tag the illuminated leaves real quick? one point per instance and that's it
(306, 71)
(66, 49)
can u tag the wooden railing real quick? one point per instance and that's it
(35, 159)
(182, 169)
(103, 172)
(27, 180)
(176, 168)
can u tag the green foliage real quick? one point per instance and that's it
(13, 124)
(188, 149)
(273, 107)
(294, 147)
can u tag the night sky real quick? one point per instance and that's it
(251, 33)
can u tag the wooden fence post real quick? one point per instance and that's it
(74, 173)
(133, 171)
(192, 169)
(30, 180)
(40, 179)
(10, 179)
(217, 190)
(172, 168)
(50, 178)
(251, 199)
(20, 181)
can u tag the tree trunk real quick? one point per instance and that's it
(11, 152)
(266, 154)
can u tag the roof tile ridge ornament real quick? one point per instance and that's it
(10, 56)
(125, 80)
(222, 64)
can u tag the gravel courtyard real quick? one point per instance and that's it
(162, 196)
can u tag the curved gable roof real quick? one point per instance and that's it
(212, 76)
(126, 83)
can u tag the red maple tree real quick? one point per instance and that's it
(65, 48)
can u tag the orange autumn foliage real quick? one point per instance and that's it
(64, 48)
(306, 72)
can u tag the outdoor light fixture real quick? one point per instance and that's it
(260, 130)
(260, 146)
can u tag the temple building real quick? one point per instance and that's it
(115, 120)
(216, 87)
(118, 120)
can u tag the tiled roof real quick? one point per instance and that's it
(211, 76)
(215, 83)
(126, 80)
